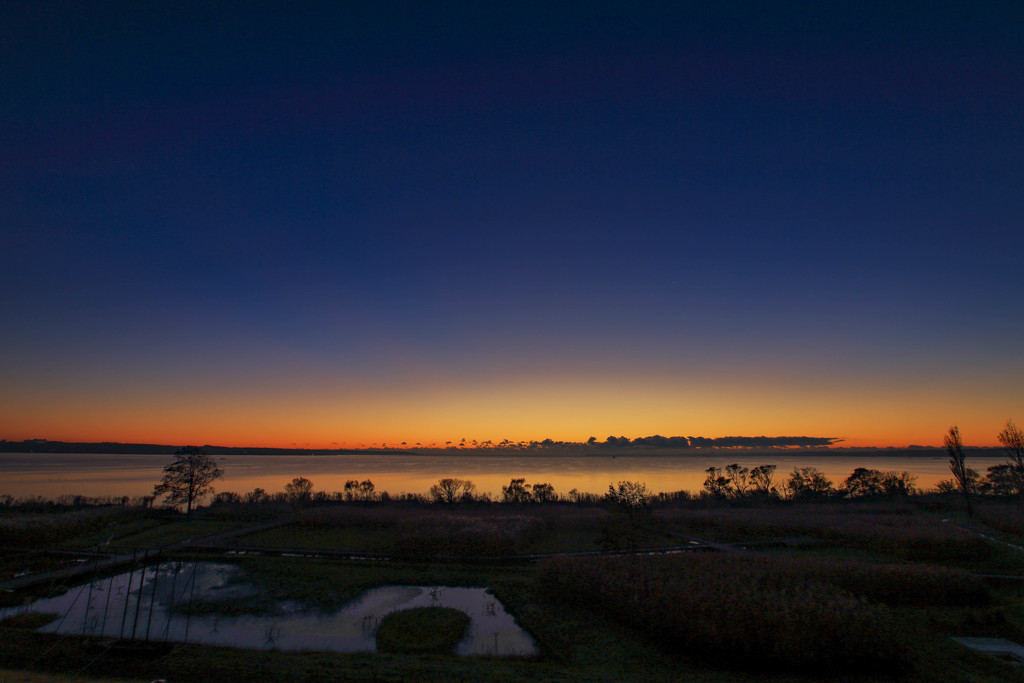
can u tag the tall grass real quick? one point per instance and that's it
(1004, 516)
(898, 530)
(466, 536)
(751, 612)
(46, 529)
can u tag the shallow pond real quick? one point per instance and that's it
(154, 604)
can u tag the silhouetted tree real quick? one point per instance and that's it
(737, 479)
(257, 495)
(1012, 438)
(299, 490)
(544, 493)
(226, 498)
(899, 483)
(808, 482)
(516, 491)
(451, 490)
(957, 465)
(633, 499)
(863, 482)
(188, 478)
(761, 479)
(716, 483)
(1001, 480)
(630, 495)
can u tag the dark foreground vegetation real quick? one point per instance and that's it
(866, 587)
(789, 578)
(422, 630)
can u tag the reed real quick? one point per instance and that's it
(900, 531)
(752, 612)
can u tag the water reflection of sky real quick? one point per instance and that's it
(52, 475)
(140, 604)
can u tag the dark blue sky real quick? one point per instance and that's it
(375, 207)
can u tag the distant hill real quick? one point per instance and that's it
(47, 446)
(739, 447)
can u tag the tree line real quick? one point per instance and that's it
(803, 483)
(193, 472)
(617, 442)
(191, 475)
(1002, 479)
(655, 441)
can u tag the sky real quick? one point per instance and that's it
(344, 224)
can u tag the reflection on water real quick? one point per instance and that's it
(52, 475)
(153, 604)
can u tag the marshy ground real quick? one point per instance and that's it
(867, 590)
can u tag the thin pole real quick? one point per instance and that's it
(170, 603)
(138, 600)
(188, 615)
(106, 605)
(88, 603)
(127, 594)
(152, 597)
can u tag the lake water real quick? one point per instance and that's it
(148, 604)
(53, 475)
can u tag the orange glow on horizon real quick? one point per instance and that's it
(318, 439)
(862, 412)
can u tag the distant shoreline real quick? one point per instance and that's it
(43, 446)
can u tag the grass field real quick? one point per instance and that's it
(893, 579)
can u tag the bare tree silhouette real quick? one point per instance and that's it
(299, 490)
(1012, 438)
(451, 490)
(958, 466)
(761, 478)
(544, 493)
(188, 478)
(517, 491)
(808, 483)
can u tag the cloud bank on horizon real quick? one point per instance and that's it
(410, 222)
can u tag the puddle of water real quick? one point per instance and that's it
(140, 605)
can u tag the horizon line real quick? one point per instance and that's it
(639, 443)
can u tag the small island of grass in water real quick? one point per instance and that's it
(436, 630)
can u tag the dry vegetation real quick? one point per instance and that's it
(877, 593)
(746, 612)
(902, 530)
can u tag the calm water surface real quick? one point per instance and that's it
(53, 475)
(148, 605)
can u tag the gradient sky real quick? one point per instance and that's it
(248, 223)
